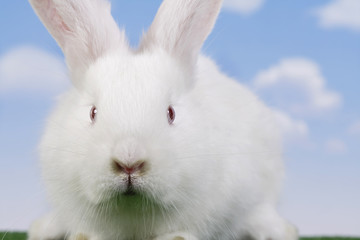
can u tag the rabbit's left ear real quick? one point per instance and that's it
(181, 26)
(84, 30)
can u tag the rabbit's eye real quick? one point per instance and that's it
(171, 114)
(93, 112)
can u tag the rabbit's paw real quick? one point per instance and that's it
(291, 232)
(176, 236)
(79, 236)
(266, 224)
(46, 228)
(82, 236)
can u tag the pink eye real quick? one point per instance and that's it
(93, 112)
(171, 114)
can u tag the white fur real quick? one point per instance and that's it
(214, 174)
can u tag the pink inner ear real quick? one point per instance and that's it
(54, 17)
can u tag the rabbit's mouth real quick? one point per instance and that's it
(130, 191)
(130, 185)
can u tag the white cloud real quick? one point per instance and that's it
(292, 129)
(354, 128)
(33, 70)
(243, 6)
(340, 13)
(335, 146)
(298, 86)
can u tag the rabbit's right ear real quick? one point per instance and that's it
(181, 26)
(84, 29)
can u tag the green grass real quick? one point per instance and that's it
(12, 236)
(22, 236)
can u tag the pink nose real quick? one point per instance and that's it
(139, 166)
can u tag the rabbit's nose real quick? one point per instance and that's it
(137, 167)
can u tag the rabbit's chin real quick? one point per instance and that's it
(131, 206)
(119, 193)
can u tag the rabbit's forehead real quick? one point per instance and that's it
(137, 76)
(145, 84)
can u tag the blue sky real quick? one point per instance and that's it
(301, 57)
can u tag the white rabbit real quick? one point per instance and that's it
(155, 143)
